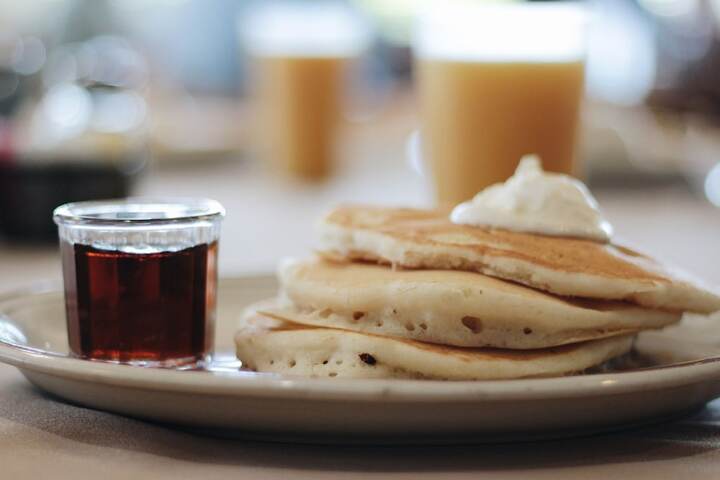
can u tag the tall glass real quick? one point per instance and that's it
(496, 82)
(299, 58)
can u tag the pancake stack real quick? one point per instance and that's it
(405, 293)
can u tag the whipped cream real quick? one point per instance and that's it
(536, 201)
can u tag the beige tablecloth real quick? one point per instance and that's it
(41, 437)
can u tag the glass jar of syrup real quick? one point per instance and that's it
(140, 279)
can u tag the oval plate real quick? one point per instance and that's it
(224, 400)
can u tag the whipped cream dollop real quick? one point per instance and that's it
(536, 201)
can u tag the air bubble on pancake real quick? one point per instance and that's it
(379, 323)
(423, 326)
(469, 292)
(409, 327)
(325, 313)
(527, 331)
(474, 324)
(367, 358)
(332, 374)
(292, 363)
(325, 362)
(338, 362)
(358, 315)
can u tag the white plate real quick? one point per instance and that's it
(228, 401)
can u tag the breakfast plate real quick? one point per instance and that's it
(670, 373)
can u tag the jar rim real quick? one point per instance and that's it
(138, 211)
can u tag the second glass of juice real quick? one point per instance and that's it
(497, 82)
(299, 58)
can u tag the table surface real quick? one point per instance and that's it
(269, 218)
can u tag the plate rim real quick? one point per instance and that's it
(385, 390)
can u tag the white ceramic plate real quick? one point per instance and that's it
(227, 401)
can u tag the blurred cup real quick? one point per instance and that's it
(299, 57)
(498, 81)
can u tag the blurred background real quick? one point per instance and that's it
(110, 98)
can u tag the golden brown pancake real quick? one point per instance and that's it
(267, 345)
(449, 307)
(426, 239)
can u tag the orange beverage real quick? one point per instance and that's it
(299, 109)
(299, 54)
(479, 118)
(496, 82)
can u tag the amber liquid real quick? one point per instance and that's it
(140, 308)
(299, 106)
(479, 118)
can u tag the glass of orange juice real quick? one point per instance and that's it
(299, 57)
(496, 82)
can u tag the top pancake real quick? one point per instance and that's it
(414, 238)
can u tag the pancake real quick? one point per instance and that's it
(267, 345)
(413, 238)
(447, 307)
